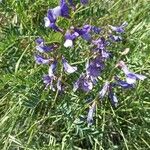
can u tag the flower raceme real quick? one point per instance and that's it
(99, 44)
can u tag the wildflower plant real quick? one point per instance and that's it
(74, 79)
(97, 57)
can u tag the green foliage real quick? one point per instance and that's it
(34, 119)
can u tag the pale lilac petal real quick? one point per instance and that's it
(59, 85)
(56, 12)
(140, 77)
(91, 114)
(124, 84)
(131, 80)
(104, 89)
(68, 68)
(41, 60)
(52, 68)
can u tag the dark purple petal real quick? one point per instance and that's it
(74, 35)
(101, 43)
(65, 10)
(96, 29)
(122, 83)
(112, 97)
(119, 29)
(79, 31)
(51, 17)
(87, 28)
(95, 67)
(55, 27)
(83, 83)
(86, 36)
(41, 47)
(48, 81)
(115, 38)
(70, 36)
(84, 32)
(39, 41)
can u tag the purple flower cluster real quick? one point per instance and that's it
(94, 65)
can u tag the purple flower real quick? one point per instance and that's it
(91, 114)
(55, 27)
(96, 29)
(112, 97)
(84, 32)
(41, 60)
(84, 2)
(53, 14)
(52, 68)
(95, 67)
(64, 9)
(84, 83)
(50, 20)
(51, 17)
(48, 81)
(104, 89)
(69, 38)
(119, 29)
(130, 76)
(68, 68)
(123, 84)
(115, 38)
(101, 43)
(105, 54)
(59, 84)
(41, 47)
